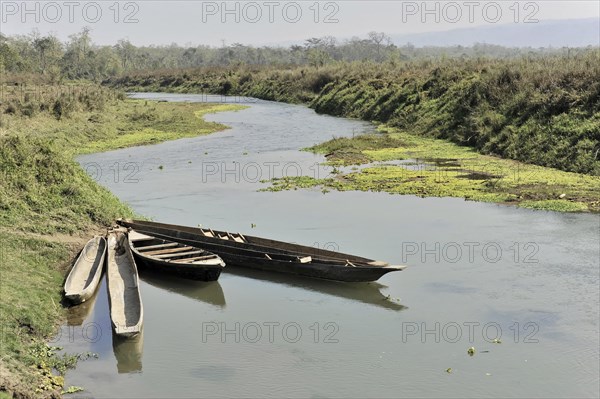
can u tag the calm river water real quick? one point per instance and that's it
(476, 272)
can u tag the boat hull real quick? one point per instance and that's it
(238, 256)
(256, 243)
(206, 269)
(125, 301)
(84, 278)
(190, 272)
(313, 270)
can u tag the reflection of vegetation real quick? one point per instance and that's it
(543, 111)
(49, 207)
(448, 170)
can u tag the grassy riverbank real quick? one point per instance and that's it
(49, 207)
(537, 118)
(539, 110)
(437, 168)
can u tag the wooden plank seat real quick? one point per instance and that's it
(135, 236)
(159, 246)
(168, 251)
(193, 259)
(226, 236)
(178, 254)
(234, 238)
(208, 233)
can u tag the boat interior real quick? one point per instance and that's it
(167, 250)
(92, 256)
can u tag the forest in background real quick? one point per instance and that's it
(36, 56)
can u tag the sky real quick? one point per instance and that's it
(271, 21)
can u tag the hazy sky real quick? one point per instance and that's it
(267, 22)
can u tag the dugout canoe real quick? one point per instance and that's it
(126, 311)
(84, 277)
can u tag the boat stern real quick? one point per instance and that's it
(74, 298)
(126, 332)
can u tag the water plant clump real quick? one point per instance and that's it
(433, 167)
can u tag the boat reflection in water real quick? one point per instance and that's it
(369, 293)
(78, 314)
(212, 293)
(205, 291)
(128, 352)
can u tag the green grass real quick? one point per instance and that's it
(159, 122)
(49, 207)
(538, 110)
(555, 205)
(31, 276)
(445, 169)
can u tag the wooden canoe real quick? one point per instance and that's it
(170, 257)
(84, 277)
(126, 311)
(238, 240)
(242, 251)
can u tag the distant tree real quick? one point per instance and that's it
(126, 52)
(78, 58)
(379, 39)
(10, 60)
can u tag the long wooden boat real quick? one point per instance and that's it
(84, 277)
(246, 251)
(238, 240)
(174, 258)
(126, 311)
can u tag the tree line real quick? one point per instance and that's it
(80, 58)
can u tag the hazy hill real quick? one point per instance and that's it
(556, 33)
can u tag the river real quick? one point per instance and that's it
(477, 272)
